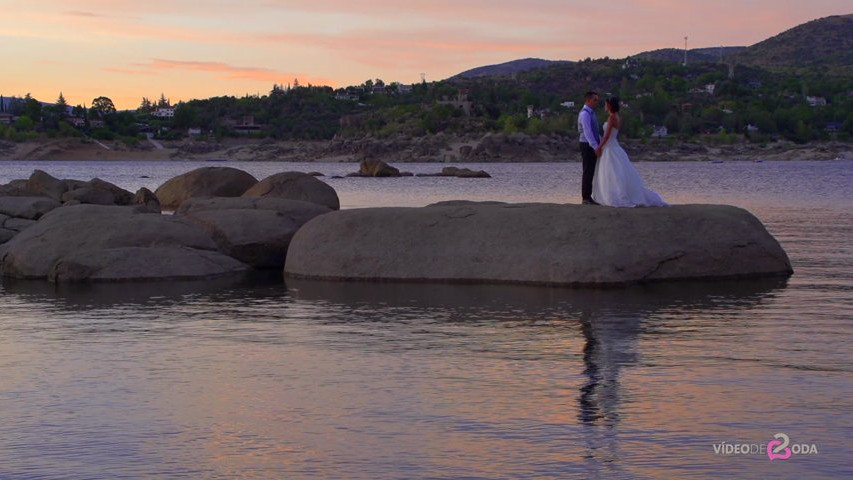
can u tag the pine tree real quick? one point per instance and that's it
(61, 106)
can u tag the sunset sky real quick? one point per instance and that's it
(197, 49)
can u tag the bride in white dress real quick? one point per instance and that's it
(616, 182)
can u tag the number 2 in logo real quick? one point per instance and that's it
(777, 446)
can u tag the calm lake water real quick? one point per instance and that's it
(262, 378)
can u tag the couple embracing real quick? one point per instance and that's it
(609, 178)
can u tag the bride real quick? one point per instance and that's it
(616, 182)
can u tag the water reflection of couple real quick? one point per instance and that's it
(609, 344)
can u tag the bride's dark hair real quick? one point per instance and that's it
(614, 103)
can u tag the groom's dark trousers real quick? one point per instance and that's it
(589, 160)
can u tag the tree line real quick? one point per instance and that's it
(716, 101)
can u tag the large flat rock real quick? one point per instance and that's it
(113, 243)
(547, 244)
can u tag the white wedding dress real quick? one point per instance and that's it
(617, 183)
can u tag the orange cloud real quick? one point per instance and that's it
(222, 70)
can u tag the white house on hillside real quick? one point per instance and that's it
(816, 101)
(164, 112)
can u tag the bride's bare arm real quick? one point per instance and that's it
(611, 123)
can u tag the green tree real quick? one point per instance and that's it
(61, 105)
(163, 102)
(102, 106)
(32, 108)
(186, 116)
(145, 106)
(24, 123)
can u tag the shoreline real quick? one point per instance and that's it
(492, 148)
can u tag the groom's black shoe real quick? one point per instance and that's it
(589, 201)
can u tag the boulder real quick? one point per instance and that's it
(120, 195)
(6, 235)
(256, 231)
(43, 184)
(94, 192)
(204, 182)
(90, 195)
(31, 208)
(113, 243)
(296, 186)
(544, 244)
(377, 168)
(142, 263)
(71, 184)
(301, 211)
(146, 201)
(18, 224)
(15, 188)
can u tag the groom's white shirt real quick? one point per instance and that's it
(586, 127)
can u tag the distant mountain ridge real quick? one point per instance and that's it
(824, 42)
(509, 68)
(708, 54)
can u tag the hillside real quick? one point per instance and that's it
(509, 68)
(709, 54)
(826, 42)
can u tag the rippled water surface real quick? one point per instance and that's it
(262, 378)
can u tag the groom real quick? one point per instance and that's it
(589, 140)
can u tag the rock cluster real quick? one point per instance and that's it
(24, 201)
(226, 222)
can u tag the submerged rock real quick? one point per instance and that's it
(296, 186)
(204, 182)
(463, 173)
(543, 244)
(113, 243)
